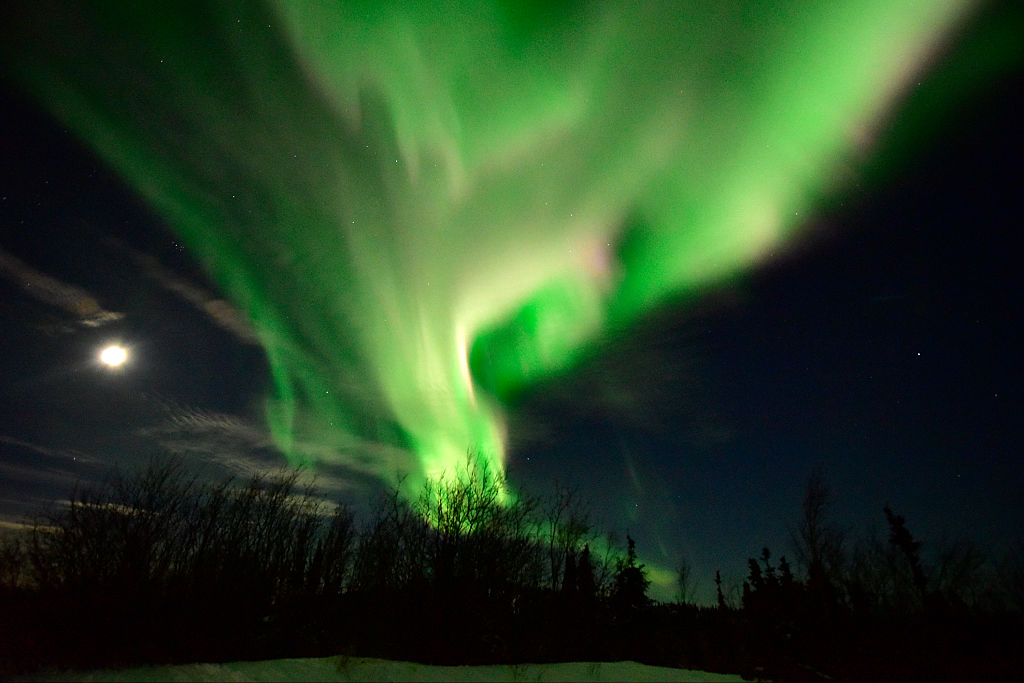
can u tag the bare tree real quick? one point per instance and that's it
(566, 528)
(686, 582)
(12, 559)
(1011, 576)
(818, 544)
(957, 572)
(332, 559)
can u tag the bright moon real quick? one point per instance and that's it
(114, 355)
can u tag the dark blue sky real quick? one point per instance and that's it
(885, 349)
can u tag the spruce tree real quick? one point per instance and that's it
(631, 580)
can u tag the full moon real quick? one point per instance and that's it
(114, 355)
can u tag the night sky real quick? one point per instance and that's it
(875, 335)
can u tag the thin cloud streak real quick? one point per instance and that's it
(222, 313)
(50, 290)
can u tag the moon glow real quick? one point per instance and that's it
(114, 355)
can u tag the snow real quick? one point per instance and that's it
(362, 669)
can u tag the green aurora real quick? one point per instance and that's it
(426, 208)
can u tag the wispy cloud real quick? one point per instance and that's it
(53, 457)
(216, 309)
(50, 290)
(242, 446)
(16, 526)
(35, 474)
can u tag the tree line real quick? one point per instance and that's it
(879, 607)
(156, 566)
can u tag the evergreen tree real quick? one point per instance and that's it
(901, 538)
(631, 580)
(785, 574)
(585, 575)
(769, 570)
(570, 580)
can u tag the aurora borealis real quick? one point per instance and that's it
(423, 211)
(679, 255)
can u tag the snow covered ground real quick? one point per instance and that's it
(359, 669)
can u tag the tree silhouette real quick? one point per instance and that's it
(819, 544)
(901, 539)
(586, 588)
(684, 579)
(631, 580)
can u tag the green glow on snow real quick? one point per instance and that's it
(424, 208)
